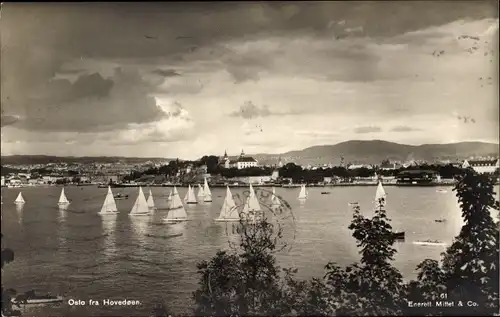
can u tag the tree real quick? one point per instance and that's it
(373, 286)
(469, 270)
(212, 162)
(248, 283)
(244, 283)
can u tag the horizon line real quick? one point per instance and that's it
(173, 158)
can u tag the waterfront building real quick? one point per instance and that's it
(482, 166)
(416, 177)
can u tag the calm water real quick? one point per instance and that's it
(84, 256)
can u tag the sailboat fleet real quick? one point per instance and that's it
(190, 197)
(251, 210)
(206, 190)
(176, 211)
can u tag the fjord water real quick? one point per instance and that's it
(84, 256)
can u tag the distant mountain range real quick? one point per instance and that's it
(360, 152)
(375, 151)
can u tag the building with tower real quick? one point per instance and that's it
(241, 162)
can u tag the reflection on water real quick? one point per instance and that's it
(88, 256)
(302, 201)
(140, 228)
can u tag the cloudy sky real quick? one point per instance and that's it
(183, 80)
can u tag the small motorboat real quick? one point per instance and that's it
(165, 236)
(399, 235)
(440, 220)
(31, 298)
(430, 242)
(440, 190)
(120, 196)
(325, 193)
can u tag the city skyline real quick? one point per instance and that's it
(183, 80)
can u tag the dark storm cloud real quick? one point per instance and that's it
(403, 128)
(38, 39)
(166, 72)
(367, 130)
(93, 104)
(8, 120)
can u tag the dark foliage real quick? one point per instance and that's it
(6, 305)
(469, 270)
(247, 282)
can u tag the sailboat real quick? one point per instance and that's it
(150, 201)
(251, 209)
(140, 207)
(190, 196)
(275, 201)
(303, 192)
(201, 193)
(380, 194)
(169, 198)
(175, 200)
(207, 192)
(176, 211)
(63, 201)
(19, 200)
(109, 205)
(229, 211)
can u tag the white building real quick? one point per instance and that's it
(482, 166)
(240, 163)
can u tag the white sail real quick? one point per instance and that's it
(207, 192)
(228, 212)
(62, 199)
(19, 199)
(303, 192)
(201, 193)
(176, 201)
(141, 205)
(380, 193)
(169, 198)
(190, 196)
(187, 194)
(150, 201)
(275, 201)
(251, 209)
(176, 211)
(109, 205)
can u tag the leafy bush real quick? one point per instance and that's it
(248, 282)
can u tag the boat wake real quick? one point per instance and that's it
(430, 243)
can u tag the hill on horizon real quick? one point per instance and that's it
(375, 151)
(355, 151)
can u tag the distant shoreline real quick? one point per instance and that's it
(246, 185)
